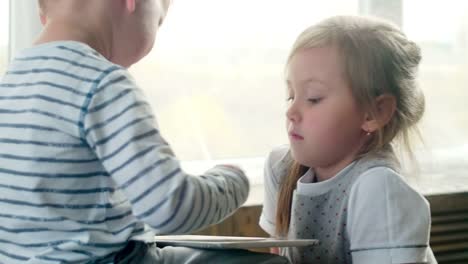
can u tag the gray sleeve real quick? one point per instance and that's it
(273, 170)
(388, 221)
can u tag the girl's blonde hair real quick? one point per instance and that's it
(378, 59)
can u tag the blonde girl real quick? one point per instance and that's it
(352, 96)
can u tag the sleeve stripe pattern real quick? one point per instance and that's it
(43, 83)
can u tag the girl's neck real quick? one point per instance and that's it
(331, 170)
(324, 173)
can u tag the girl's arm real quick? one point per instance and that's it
(388, 221)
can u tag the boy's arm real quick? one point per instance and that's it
(119, 126)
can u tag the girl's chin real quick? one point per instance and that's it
(298, 157)
(305, 160)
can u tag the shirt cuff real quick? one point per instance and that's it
(392, 256)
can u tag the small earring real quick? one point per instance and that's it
(368, 133)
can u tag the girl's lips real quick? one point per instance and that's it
(295, 136)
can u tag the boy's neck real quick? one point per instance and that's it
(66, 31)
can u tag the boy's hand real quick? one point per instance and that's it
(233, 167)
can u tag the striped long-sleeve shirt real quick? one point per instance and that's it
(83, 167)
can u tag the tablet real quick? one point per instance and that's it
(221, 242)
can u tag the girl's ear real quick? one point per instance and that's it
(130, 5)
(386, 106)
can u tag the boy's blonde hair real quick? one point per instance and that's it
(378, 59)
(42, 5)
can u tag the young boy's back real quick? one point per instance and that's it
(79, 144)
(83, 167)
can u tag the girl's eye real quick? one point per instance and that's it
(314, 100)
(290, 98)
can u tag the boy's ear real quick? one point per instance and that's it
(386, 106)
(43, 18)
(130, 4)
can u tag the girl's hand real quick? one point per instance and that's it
(274, 250)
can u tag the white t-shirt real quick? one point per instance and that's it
(365, 214)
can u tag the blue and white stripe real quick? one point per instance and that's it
(83, 167)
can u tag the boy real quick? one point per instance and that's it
(85, 175)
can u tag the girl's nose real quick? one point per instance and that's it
(292, 114)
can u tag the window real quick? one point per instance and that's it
(24, 25)
(215, 75)
(4, 35)
(441, 30)
(216, 78)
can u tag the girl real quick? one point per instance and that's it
(352, 94)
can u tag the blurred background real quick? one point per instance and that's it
(216, 83)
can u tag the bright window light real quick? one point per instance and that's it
(4, 34)
(215, 76)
